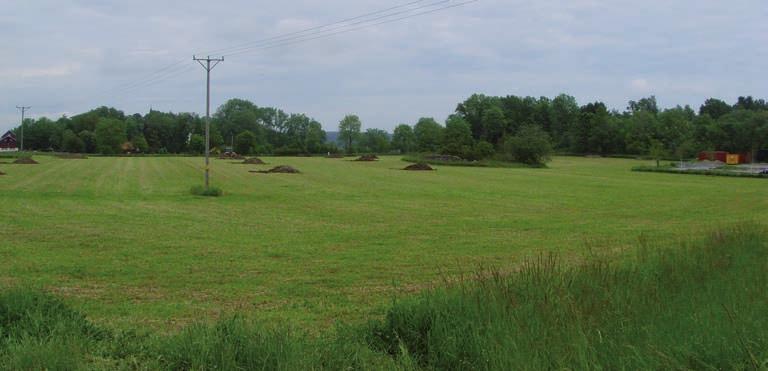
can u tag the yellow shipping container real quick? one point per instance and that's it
(732, 159)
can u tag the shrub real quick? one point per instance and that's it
(530, 146)
(244, 142)
(480, 151)
(199, 190)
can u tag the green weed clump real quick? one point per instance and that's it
(38, 331)
(698, 307)
(199, 190)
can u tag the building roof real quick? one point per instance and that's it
(9, 134)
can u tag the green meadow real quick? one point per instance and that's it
(123, 240)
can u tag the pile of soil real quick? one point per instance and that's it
(368, 158)
(253, 161)
(72, 156)
(284, 169)
(231, 156)
(2, 173)
(443, 158)
(25, 161)
(419, 167)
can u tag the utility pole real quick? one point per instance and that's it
(23, 111)
(208, 67)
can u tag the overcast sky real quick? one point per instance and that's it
(68, 56)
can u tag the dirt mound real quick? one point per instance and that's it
(443, 158)
(419, 167)
(72, 156)
(2, 173)
(231, 156)
(367, 158)
(254, 161)
(25, 161)
(283, 169)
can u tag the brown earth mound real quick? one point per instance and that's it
(284, 169)
(368, 158)
(253, 161)
(231, 156)
(443, 158)
(72, 156)
(25, 161)
(2, 173)
(418, 167)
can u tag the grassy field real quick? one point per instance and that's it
(122, 240)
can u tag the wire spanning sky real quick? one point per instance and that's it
(68, 56)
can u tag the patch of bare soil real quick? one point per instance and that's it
(443, 158)
(419, 167)
(231, 156)
(72, 156)
(282, 169)
(253, 161)
(25, 161)
(2, 173)
(367, 158)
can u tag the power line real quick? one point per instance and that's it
(330, 26)
(352, 29)
(301, 36)
(331, 31)
(371, 19)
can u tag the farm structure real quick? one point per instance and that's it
(8, 142)
(725, 157)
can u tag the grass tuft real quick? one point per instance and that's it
(199, 190)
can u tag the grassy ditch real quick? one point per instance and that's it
(701, 305)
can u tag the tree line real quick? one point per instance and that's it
(237, 123)
(517, 128)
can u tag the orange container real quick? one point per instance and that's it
(732, 159)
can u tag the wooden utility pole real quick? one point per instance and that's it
(23, 111)
(208, 67)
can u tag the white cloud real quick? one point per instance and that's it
(640, 85)
(39, 72)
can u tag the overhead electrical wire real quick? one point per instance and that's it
(349, 30)
(217, 51)
(328, 29)
(372, 19)
(169, 70)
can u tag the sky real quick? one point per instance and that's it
(64, 57)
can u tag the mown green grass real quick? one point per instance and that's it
(699, 305)
(123, 240)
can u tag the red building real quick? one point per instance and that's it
(8, 142)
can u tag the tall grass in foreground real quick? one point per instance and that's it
(699, 306)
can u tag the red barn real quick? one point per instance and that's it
(8, 142)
